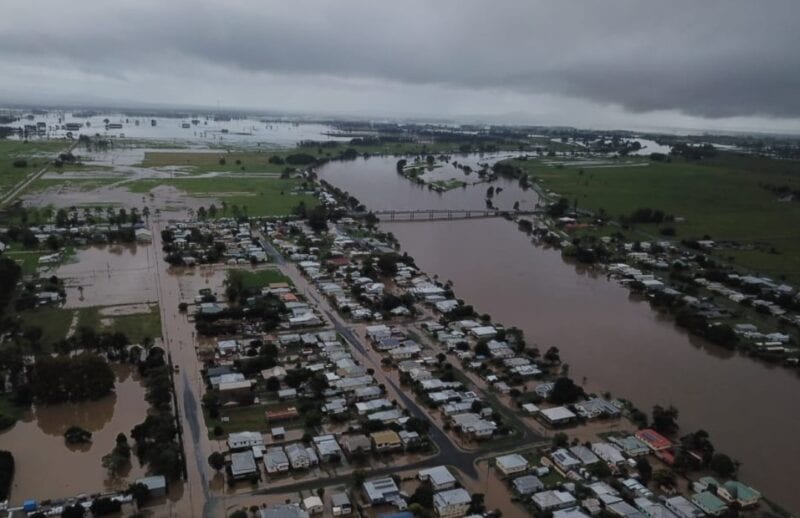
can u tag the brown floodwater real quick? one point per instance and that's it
(109, 274)
(605, 334)
(47, 468)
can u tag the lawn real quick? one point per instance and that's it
(723, 198)
(37, 154)
(53, 321)
(27, 259)
(136, 327)
(255, 196)
(261, 278)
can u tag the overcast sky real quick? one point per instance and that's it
(728, 64)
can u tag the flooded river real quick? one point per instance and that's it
(46, 467)
(606, 335)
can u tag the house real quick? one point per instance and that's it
(553, 500)
(483, 332)
(631, 446)
(298, 456)
(709, 503)
(236, 391)
(596, 407)
(283, 511)
(511, 464)
(356, 442)
(284, 414)
(366, 407)
(439, 477)
(474, 425)
(243, 465)
(340, 504)
(608, 452)
(287, 394)
(624, 510)
(564, 460)
(527, 485)
(244, 440)
(409, 438)
(572, 513)
(584, 454)
(452, 503)
(327, 448)
(157, 485)
(313, 504)
(654, 440)
(275, 460)
(386, 440)
(530, 408)
(387, 416)
(735, 491)
(367, 393)
(143, 235)
(381, 490)
(653, 510)
(557, 416)
(683, 508)
(731, 491)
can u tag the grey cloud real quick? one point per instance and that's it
(709, 59)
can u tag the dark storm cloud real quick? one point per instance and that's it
(709, 59)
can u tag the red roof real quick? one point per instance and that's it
(653, 439)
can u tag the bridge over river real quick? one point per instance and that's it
(444, 214)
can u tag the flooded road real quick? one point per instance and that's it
(617, 342)
(46, 467)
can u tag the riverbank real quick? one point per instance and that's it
(613, 340)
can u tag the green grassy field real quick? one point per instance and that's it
(37, 154)
(252, 161)
(260, 196)
(136, 327)
(55, 323)
(723, 198)
(261, 278)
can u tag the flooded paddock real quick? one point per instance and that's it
(46, 467)
(109, 274)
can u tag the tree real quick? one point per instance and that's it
(552, 355)
(77, 435)
(358, 476)
(565, 391)
(318, 219)
(105, 505)
(560, 440)
(73, 511)
(645, 469)
(423, 495)
(139, 492)
(217, 461)
(723, 465)
(6, 473)
(665, 420)
(119, 457)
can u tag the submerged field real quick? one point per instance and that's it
(726, 198)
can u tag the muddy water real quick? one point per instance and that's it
(47, 468)
(617, 342)
(110, 274)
